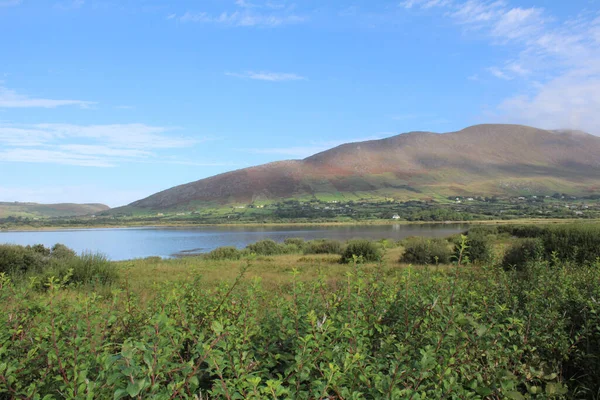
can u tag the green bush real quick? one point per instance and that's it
(579, 243)
(365, 249)
(224, 253)
(420, 334)
(40, 264)
(61, 251)
(479, 248)
(86, 269)
(269, 247)
(523, 251)
(323, 247)
(421, 250)
(265, 247)
(298, 242)
(40, 249)
(18, 259)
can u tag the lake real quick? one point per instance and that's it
(129, 243)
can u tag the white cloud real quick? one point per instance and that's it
(247, 14)
(9, 3)
(138, 136)
(497, 72)
(267, 76)
(571, 102)
(70, 5)
(73, 194)
(314, 148)
(11, 99)
(517, 69)
(558, 61)
(87, 145)
(424, 3)
(30, 155)
(242, 19)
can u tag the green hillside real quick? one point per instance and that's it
(35, 210)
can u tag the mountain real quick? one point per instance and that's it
(482, 160)
(35, 210)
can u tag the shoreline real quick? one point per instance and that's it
(300, 224)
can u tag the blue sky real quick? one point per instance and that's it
(112, 100)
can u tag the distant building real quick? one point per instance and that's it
(395, 216)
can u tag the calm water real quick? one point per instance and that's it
(129, 243)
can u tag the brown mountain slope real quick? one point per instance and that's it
(480, 160)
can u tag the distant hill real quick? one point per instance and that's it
(35, 210)
(482, 160)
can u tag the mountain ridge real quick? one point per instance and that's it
(481, 159)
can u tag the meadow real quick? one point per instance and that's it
(501, 312)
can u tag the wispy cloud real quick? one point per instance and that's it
(74, 193)
(266, 76)
(241, 19)
(424, 3)
(87, 145)
(498, 73)
(10, 3)
(559, 61)
(11, 99)
(246, 14)
(70, 4)
(314, 147)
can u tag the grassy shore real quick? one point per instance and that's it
(528, 221)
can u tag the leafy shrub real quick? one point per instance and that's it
(91, 268)
(298, 242)
(40, 249)
(482, 230)
(323, 247)
(19, 259)
(421, 250)
(522, 252)
(479, 247)
(265, 247)
(88, 268)
(40, 264)
(579, 243)
(476, 334)
(224, 253)
(269, 247)
(365, 249)
(61, 251)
